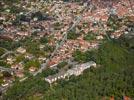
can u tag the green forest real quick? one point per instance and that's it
(112, 77)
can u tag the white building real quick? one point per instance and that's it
(77, 70)
(52, 78)
(21, 50)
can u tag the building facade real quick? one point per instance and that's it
(76, 70)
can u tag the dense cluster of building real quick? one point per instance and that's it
(40, 19)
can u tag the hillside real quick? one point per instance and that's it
(113, 78)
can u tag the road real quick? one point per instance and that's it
(101, 26)
(57, 47)
(2, 68)
(44, 65)
(8, 52)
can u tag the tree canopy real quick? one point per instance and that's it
(113, 78)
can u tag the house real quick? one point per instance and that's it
(32, 69)
(29, 56)
(131, 17)
(126, 98)
(18, 66)
(100, 37)
(112, 98)
(52, 63)
(41, 59)
(41, 47)
(19, 74)
(10, 60)
(21, 50)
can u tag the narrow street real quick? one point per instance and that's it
(44, 65)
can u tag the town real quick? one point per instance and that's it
(35, 36)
